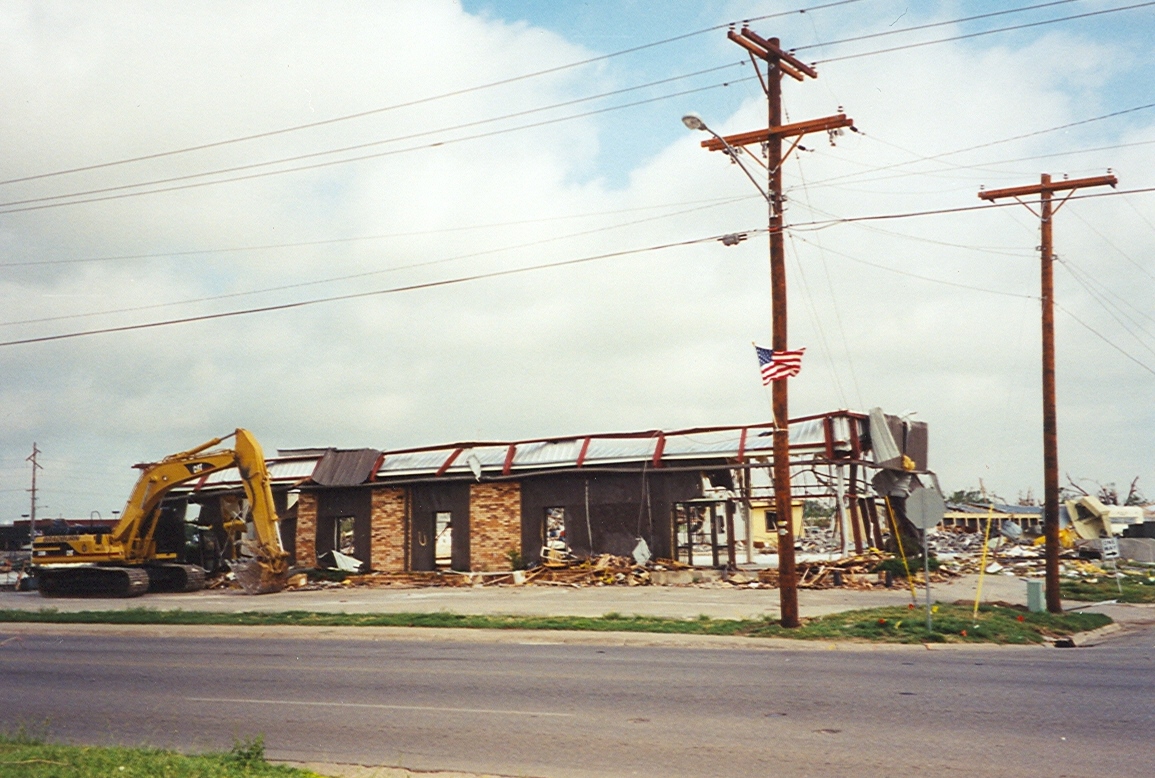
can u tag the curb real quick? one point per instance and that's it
(1084, 639)
(527, 637)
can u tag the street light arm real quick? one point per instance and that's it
(733, 153)
(694, 122)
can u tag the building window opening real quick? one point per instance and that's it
(443, 534)
(343, 536)
(555, 529)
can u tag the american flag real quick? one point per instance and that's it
(777, 365)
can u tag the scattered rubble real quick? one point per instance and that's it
(957, 552)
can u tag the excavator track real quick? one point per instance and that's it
(175, 578)
(80, 581)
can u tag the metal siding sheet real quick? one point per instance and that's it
(348, 467)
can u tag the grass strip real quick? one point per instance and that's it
(22, 756)
(895, 624)
(1134, 590)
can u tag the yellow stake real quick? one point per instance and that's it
(983, 560)
(898, 539)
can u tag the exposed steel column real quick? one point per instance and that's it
(783, 507)
(1050, 422)
(853, 500)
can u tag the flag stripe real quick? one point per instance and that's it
(778, 365)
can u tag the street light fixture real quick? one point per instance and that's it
(694, 122)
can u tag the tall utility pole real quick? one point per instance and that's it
(1046, 189)
(778, 63)
(32, 511)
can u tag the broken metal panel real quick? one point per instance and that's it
(290, 470)
(883, 442)
(917, 443)
(346, 467)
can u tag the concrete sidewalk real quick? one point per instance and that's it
(720, 601)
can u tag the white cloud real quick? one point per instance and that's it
(656, 339)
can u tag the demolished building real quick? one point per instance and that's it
(497, 505)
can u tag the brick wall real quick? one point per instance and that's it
(494, 524)
(307, 529)
(387, 530)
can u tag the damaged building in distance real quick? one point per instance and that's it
(486, 506)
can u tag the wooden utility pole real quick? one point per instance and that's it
(1046, 189)
(32, 511)
(778, 63)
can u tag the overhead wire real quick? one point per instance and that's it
(1113, 310)
(833, 296)
(795, 226)
(372, 293)
(931, 25)
(376, 155)
(1106, 340)
(825, 223)
(431, 98)
(921, 277)
(1010, 139)
(379, 142)
(979, 34)
(364, 274)
(1134, 263)
(81, 197)
(357, 238)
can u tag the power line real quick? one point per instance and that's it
(829, 285)
(371, 144)
(985, 32)
(908, 274)
(823, 224)
(935, 157)
(1105, 339)
(363, 157)
(1118, 250)
(424, 100)
(379, 236)
(500, 273)
(374, 293)
(1112, 310)
(366, 274)
(983, 166)
(931, 25)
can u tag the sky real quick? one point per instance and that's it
(165, 161)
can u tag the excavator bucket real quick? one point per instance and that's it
(261, 573)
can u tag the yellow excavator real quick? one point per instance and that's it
(125, 561)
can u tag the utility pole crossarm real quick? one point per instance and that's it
(768, 50)
(1034, 189)
(837, 121)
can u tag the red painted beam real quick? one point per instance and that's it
(509, 459)
(449, 461)
(659, 449)
(582, 454)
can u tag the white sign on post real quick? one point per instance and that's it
(925, 508)
(1110, 548)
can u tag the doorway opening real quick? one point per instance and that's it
(443, 539)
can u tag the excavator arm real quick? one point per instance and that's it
(269, 569)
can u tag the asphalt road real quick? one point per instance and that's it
(524, 706)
